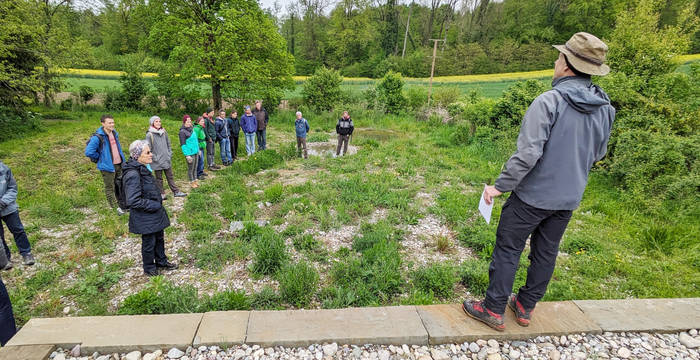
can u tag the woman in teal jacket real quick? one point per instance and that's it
(190, 148)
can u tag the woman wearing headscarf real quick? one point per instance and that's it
(190, 148)
(159, 142)
(147, 214)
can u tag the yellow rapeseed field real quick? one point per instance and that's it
(438, 79)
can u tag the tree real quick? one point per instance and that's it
(231, 42)
(18, 60)
(322, 90)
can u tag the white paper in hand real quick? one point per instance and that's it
(484, 208)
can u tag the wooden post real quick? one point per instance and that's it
(405, 36)
(432, 68)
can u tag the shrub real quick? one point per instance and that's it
(270, 253)
(114, 99)
(274, 193)
(86, 93)
(133, 84)
(161, 297)
(227, 301)
(371, 97)
(14, 123)
(510, 108)
(416, 97)
(438, 279)
(66, 104)
(322, 90)
(445, 95)
(390, 93)
(474, 275)
(298, 283)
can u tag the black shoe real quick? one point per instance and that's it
(478, 311)
(28, 259)
(522, 316)
(201, 178)
(167, 266)
(151, 273)
(7, 267)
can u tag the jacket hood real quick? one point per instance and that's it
(132, 164)
(101, 131)
(160, 131)
(188, 129)
(580, 93)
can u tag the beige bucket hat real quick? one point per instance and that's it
(586, 53)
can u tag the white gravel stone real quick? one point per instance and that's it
(134, 355)
(688, 341)
(438, 354)
(330, 349)
(554, 355)
(492, 343)
(624, 352)
(474, 347)
(494, 356)
(514, 354)
(60, 356)
(693, 332)
(175, 353)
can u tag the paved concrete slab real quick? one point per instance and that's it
(26, 352)
(449, 324)
(106, 334)
(386, 325)
(222, 328)
(660, 315)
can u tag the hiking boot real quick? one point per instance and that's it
(28, 259)
(180, 194)
(522, 316)
(120, 212)
(8, 267)
(215, 167)
(167, 266)
(478, 311)
(151, 273)
(164, 196)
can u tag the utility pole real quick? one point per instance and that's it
(432, 68)
(405, 36)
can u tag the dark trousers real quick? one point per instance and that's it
(342, 140)
(7, 318)
(518, 221)
(301, 145)
(14, 224)
(169, 176)
(153, 250)
(109, 178)
(210, 154)
(262, 139)
(200, 163)
(234, 147)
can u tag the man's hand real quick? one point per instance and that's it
(489, 193)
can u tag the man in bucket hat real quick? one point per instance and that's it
(564, 132)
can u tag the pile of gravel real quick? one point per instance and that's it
(613, 346)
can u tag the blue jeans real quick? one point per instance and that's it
(262, 139)
(225, 149)
(200, 164)
(250, 143)
(14, 224)
(7, 319)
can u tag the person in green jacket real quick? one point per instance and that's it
(190, 148)
(202, 137)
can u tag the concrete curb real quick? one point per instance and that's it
(393, 325)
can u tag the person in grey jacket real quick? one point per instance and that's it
(9, 214)
(564, 132)
(159, 143)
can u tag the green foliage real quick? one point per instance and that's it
(15, 123)
(266, 299)
(161, 297)
(317, 137)
(298, 283)
(390, 92)
(510, 108)
(437, 279)
(259, 161)
(445, 95)
(134, 87)
(416, 97)
(474, 275)
(322, 90)
(227, 301)
(86, 93)
(274, 193)
(478, 237)
(372, 234)
(270, 252)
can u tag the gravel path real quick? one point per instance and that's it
(577, 347)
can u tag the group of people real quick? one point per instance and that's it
(564, 132)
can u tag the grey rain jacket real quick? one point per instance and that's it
(564, 132)
(8, 191)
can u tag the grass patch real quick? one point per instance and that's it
(437, 279)
(298, 284)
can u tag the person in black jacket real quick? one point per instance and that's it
(234, 127)
(262, 117)
(344, 128)
(147, 216)
(8, 327)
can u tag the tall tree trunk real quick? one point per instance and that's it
(47, 95)
(216, 92)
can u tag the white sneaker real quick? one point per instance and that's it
(120, 212)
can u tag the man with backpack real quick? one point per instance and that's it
(344, 128)
(104, 149)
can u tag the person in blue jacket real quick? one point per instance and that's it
(104, 149)
(249, 124)
(301, 127)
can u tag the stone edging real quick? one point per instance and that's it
(396, 325)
